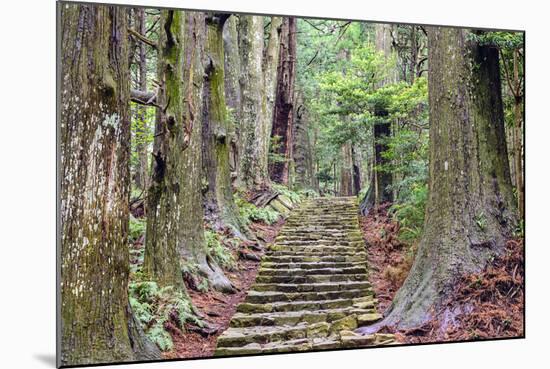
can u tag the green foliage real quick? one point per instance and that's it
(154, 306)
(409, 212)
(137, 228)
(217, 251)
(520, 229)
(481, 221)
(284, 190)
(251, 213)
(273, 155)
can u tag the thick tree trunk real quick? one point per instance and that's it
(172, 134)
(470, 210)
(284, 102)
(232, 71)
(97, 325)
(142, 176)
(270, 68)
(518, 142)
(175, 221)
(253, 159)
(193, 244)
(304, 176)
(220, 207)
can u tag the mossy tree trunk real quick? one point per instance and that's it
(253, 172)
(141, 176)
(283, 111)
(470, 210)
(220, 207)
(232, 70)
(97, 325)
(175, 122)
(192, 245)
(270, 68)
(304, 176)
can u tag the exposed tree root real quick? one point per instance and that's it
(484, 305)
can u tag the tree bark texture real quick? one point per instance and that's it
(346, 170)
(302, 150)
(220, 207)
(97, 325)
(175, 123)
(142, 176)
(470, 210)
(232, 70)
(253, 173)
(284, 102)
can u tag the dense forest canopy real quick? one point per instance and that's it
(188, 137)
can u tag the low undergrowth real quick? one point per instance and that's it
(160, 310)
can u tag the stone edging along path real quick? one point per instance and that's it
(312, 290)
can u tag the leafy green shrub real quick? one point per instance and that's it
(285, 191)
(217, 251)
(137, 229)
(154, 306)
(410, 213)
(251, 213)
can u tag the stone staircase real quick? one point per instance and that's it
(311, 291)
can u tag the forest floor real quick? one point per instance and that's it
(484, 305)
(219, 308)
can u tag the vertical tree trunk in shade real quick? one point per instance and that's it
(220, 207)
(518, 136)
(232, 71)
(175, 230)
(192, 244)
(253, 154)
(271, 64)
(97, 325)
(381, 181)
(302, 148)
(356, 171)
(284, 102)
(142, 131)
(470, 210)
(346, 170)
(175, 122)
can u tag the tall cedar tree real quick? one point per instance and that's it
(97, 325)
(283, 111)
(253, 173)
(470, 210)
(220, 207)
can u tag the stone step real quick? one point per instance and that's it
(247, 307)
(292, 318)
(321, 249)
(311, 290)
(308, 259)
(319, 278)
(316, 252)
(311, 287)
(312, 265)
(263, 297)
(317, 271)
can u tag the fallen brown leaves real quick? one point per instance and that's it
(217, 308)
(485, 305)
(388, 260)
